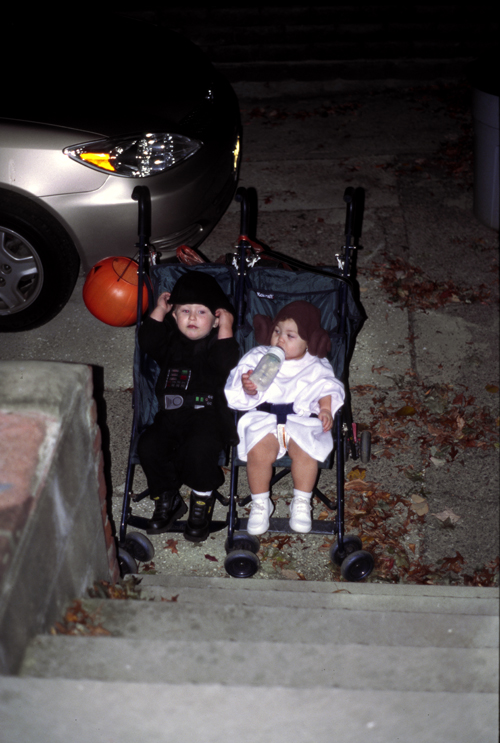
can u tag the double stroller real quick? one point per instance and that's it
(257, 279)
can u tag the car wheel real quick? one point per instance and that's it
(38, 265)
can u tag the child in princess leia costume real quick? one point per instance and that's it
(294, 415)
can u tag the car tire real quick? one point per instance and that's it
(39, 264)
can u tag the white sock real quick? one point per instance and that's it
(203, 493)
(260, 496)
(301, 494)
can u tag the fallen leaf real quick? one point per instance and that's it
(419, 505)
(361, 485)
(493, 388)
(281, 541)
(438, 462)
(356, 474)
(78, 621)
(453, 563)
(212, 558)
(148, 567)
(387, 454)
(418, 498)
(290, 574)
(412, 475)
(363, 389)
(447, 514)
(172, 546)
(405, 410)
(325, 546)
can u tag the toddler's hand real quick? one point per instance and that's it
(247, 383)
(225, 323)
(163, 306)
(163, 302)
(326, 419)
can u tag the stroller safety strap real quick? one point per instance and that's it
(173, 402)
(280, 410)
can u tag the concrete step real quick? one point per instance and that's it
(58, 711)
(346, 41)
(151, 620)
(308, 594)
(205, 659)
(299, 665)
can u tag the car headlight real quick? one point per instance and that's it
(135, 156)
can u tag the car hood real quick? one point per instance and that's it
(131, 76)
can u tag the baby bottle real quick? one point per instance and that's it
(268, 367)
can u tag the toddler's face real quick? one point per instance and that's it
(195, 321)
(286, 335)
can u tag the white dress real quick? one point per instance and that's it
(304, 382)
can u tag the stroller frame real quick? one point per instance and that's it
(241, 548)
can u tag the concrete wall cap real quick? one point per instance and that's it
(44, 386)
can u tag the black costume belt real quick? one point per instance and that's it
(280, 410)
(178, 400)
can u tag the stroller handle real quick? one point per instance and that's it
(142, 196)
(248, 215)
(355, 200)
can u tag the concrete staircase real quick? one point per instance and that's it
(352, 41)
(264, 660)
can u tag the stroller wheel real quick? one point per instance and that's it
(365, 446)
(357, 566)
(243, 542)
(139, 546)
(241, 563)
(126, 562)
(351, 544)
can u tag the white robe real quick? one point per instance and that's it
(304, 382)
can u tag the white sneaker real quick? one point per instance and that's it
(258, 521)
(300, 514)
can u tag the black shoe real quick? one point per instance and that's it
(169, 506)
(200, 517)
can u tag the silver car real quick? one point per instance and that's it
(80, 130)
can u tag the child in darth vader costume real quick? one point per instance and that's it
(190, 335)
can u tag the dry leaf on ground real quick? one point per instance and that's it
(447, 514)
(419, 505)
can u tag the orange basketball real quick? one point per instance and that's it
(110, 291)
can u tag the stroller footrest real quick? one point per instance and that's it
(282, 526)
(139, 522)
